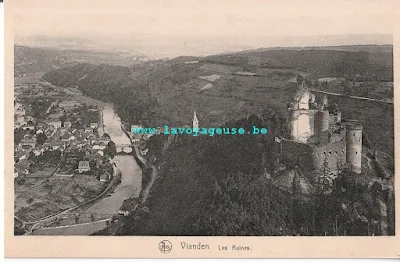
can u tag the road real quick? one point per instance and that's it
(77, 230)
(355, 97)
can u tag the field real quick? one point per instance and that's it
(28, 79)
(54, 195)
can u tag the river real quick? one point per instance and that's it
(131, 179)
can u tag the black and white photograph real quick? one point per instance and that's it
(203, 119)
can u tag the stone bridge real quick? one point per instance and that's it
(124, 148)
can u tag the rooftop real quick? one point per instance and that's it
(83, 164)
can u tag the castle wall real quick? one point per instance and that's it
(334, 153)
(338, 137)
(305, 123)
(321, 121)
(301, 125)
(310, 158)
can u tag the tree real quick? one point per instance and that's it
(299, 78)
(18, 135)
(41, 138)
(325, 85)
(110, 150)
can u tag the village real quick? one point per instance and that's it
(62, 157)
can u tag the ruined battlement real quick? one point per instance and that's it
(318, 136)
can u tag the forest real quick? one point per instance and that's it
(222, 190)
(115, 84)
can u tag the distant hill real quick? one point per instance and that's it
(374, 63)
(32, 59)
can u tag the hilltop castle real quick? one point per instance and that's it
(319, 140)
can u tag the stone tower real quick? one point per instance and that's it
(299, 116)
(354, 146)
(195, 121)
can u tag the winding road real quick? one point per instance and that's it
(355, 97)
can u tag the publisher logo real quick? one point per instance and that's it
(165, 246)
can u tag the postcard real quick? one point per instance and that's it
(201, 129)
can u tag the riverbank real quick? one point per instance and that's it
(108, 203)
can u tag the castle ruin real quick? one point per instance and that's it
(319, 140)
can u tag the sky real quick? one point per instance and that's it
(185, 27)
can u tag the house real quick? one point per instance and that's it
(89, 130)
(96, 146)
(20, 155)
(83, 166)
(99, 145)
(64, 174)
(30, 119)
(49, 130)
(147, 136)
(28, 141)
(70, 104)
(105, 177)
(128, 206)
(144, 152)
(100, 152)
(93, 125)
(63, 130)
(39, 131)
(243, 73)
(19, 109)
(95, 153)
(52, 93)
(90, 136)
(78, 132)
(47, 146)
(55, 123)
(67, 124)
(136, 140)
(38, 151)
(135, 128)
(57, 145)
(102, 145)
(66, 137)
(106, 139)
(22, 167)
(28, 127)
(55, 115)
(19, 121)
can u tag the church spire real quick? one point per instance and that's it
(195, 121)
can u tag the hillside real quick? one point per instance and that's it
(374, 63)
(133, 101)
(174, 89)
(32, 59)
(222, 189)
